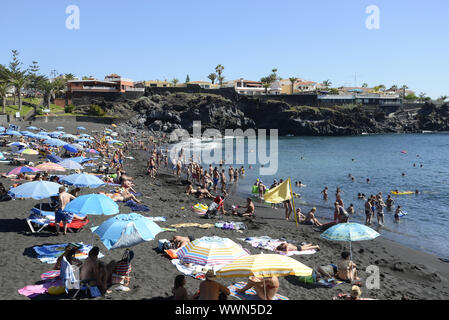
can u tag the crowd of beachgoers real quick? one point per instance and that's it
(127, 164)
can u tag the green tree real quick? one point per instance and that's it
(365, 85)
(18, 77)
(69, 76)
(333, 91)
(47, 88)
(212, 77)
(219, 70)
(327, 83)
(293, 81)
(266, 83)
(394, 88)
(4, 87)
(442, 98)
(187, 79)
(175, 81)
(411, 97)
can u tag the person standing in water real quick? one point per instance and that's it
(390, 202)
(325, 193)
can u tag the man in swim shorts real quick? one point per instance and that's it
(60, 215)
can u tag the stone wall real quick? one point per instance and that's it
(85, 98)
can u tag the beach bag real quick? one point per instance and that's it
(308, 279)
(56, 290)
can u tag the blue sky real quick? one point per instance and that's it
(316, 40)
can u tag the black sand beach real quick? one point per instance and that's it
(403, 271)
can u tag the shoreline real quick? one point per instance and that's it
(403, 271)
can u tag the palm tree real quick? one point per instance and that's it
(327, 83)
(293, 81)
(212, 77)
(69, 76)
(47, 90)
(175, 81)
(381, 87)
(403, 88)
(220, 80)
(442, 98)
(394, 88)
(365, 85)
(219, 70)
(266, 83)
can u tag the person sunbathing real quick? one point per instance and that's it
(204, 193)
(180, 241)
(310, 218)
(346, 269)
(356, 294)
(250, 209)
(190, 190)
(266, 288)
(290, 247)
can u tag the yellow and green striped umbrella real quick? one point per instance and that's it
(29, 152)
(264, 265)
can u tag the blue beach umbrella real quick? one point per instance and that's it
(55, 142)
(70, 164)
(45, 133)
(83, 180)
(93, 204)
(84, 140)
(68, 136)
(81, 128)
(13, 133)
(126, 230)
(54, 158)
(59, 128)
(2, 129)
(349, 232)
(70, 148)
(36, 190)
(85, 135)
(55, 134)
(32, 128)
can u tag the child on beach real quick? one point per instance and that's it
(346, 269)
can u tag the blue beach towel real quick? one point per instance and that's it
(136, 206)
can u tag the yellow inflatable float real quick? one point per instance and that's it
(399, 193)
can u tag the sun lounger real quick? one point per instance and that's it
(40, 219)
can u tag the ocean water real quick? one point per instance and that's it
(327, 161)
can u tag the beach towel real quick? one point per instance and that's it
(195, 270)
(137, 194)
(50, 275)
(268, 243)
(50, 253)
(136, 206)
(226, 225)
(156, 219)
(198, 225)
(249, 294)
(32, 291)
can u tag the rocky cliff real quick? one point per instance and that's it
(166, 112)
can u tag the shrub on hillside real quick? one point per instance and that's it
(69, 108)
(96, 110)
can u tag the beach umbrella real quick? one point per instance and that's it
(32, 128)
(92, 151)
(55, 142)
(84, 135)
(93, 204)
(24, 169)
(26, 133)
(59, 128)
(81, 128)
(50, 166)
(264, 265)
(36, 190)
(17, 144)
(45, 133)
(70, 148)
(70, 164)
(83, 180)
(212, 251)
(13, 133)
(54, 158)
(2, 129)
(83, 140)
(29, 152)
(126, 230)
(68, 136)
(349, 232)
